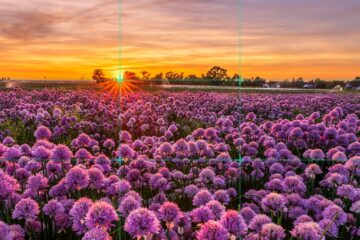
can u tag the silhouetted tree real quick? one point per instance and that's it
(217, 73)
(169, 75)
(158, 76)
(98, 75)
(259, 82)
(191, 77)
(130, 75)
(146, 75)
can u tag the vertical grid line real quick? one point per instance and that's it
(240, 77)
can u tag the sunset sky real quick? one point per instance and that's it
(280, 39)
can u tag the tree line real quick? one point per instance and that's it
(218, 76)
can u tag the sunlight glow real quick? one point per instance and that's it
(120, 85)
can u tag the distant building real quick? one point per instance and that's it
(338, 88)
(276, 85)
(354, 84)
(266, 85)
(308, 86)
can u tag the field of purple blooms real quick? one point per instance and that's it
(186, 165)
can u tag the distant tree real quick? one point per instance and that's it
(178, 76)
(98, 75)
(259, 82)
(236, 76)
(236, 80)
(169, 75)
(217, 73)
(321, 84)
(146, 75)
(130, 75)
(297, 83)
(158, 76)
(191, 77)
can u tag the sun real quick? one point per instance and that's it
(118, 75)
(121, 84)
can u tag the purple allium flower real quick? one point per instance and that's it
(212, 230)
(332, 228)
(96, 234)
(61, 153)
(317, 154)
(165, 149)
(258, 221)
(2, 149)
(206, 175)
(271, 231)
(53, 208)
(83, 154)
(273, 202)
(275, 185)
(102, 160)
(202, 214)
(307, 231)
(34, 225)
(109, 143)
(17, 232)
(294, 184)
(26, 209)
(224, 157)
(5, 231)
(12, 153)
(142, 223)
(41, 153)
(353, 164)
(83, 140)
(202, 197)
(53, 168)
(8, 185)
(101, 215)
(216, 208)
(312, 170)
(339, 156)
(222, 196)
(276, 168)
(296, 211)
(191, 190)
(128, 204)
(234, 223)
(59, 189)
(333, 210)
(124, 187)
(8, 141)
(78, 214)
(77, 178)
(157, 182)
(125, 152)
(247, 213)
(125, 136)
(96, 178)
(331, 133)
(37, 182)
(169, 212)
(347, 191)
(42, 132)
(355, 207)
(181, 148)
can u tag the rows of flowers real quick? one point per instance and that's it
(175, 171)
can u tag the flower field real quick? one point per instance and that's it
(179, 165)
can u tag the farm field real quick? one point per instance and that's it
(79, 164)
